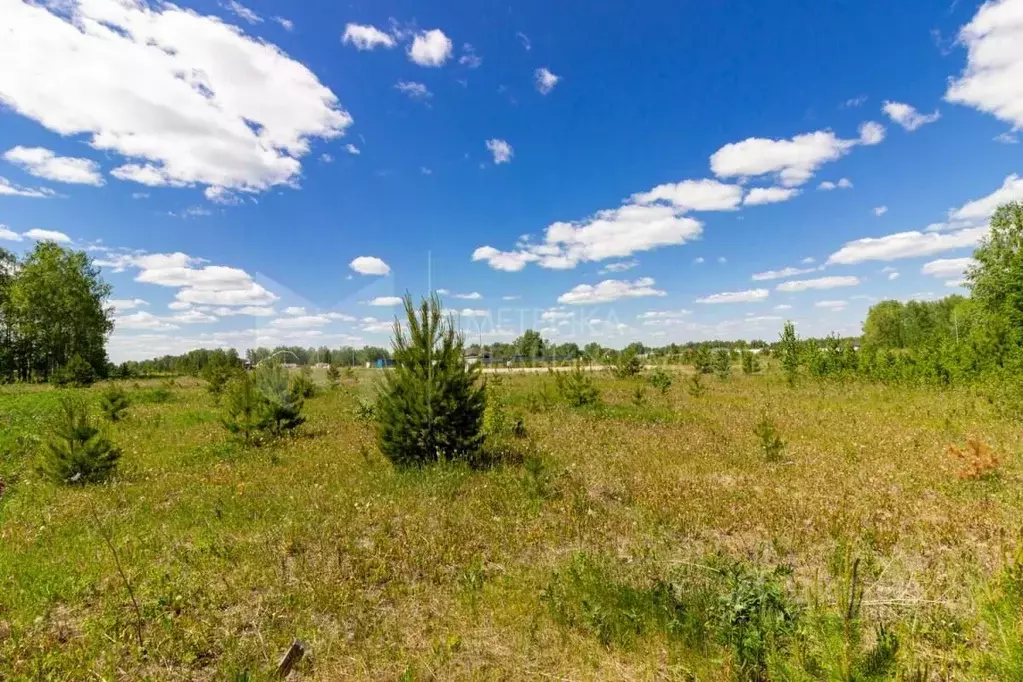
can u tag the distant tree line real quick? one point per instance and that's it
(52, 314)
(953, 339)
(196, 361)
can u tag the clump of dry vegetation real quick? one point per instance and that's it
(977, 460)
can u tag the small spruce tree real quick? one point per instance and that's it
(628, 364)
(77, 373)
(789, 350)
(695, 385)
(282, 400)
(661, 380)
(216, 374)
(723, 364)
(114, 402)
(576, 387)
(333, 377)
(750, 363)
(703, 361)
(77, 453)
(432, 402)
(243, 407)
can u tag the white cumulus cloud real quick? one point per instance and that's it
(416, 91)
(694, 195)
(47, 236)
(794, 160)
(195, 100)
(983, 208)
(545, 80)
(616, 233)
(818, 283)
(769, 195)
(781, 274)
(44, 163)
(501, 150)
(7, 188)
(610, 290)
(908, 117)
(749, 296)
(366, 37)
(993, 79)
(871, 133)
(947, 267)
(905, 245)
(370, 265)
(384, 301)
(430, 48)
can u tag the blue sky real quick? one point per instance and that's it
(276, 173)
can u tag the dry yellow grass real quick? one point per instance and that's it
(441, 574)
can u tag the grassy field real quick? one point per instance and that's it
(644, 538)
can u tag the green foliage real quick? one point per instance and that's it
(771, 443)
(1001, 606)
(302, 384)
(77, 373)
(695, 385)
(243, 408)
(530, 345)
(114, 402)
(51, 309)
(789, 351)
(216, 374)
(661, 380)
(576, 387)
(588, 595)
(432, 403)
(750, 363)
(628, 364)
(703, 360)
(723, 365)
(260, 403)
(495, 417)
(755, 617)
(365, 410)
(76, 452)
(282, 401)
(333, 377)
(639, 396)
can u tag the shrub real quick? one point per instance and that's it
(627, 365)
(695, 385)
(114, 402)
(750, 363)
(365, 410)
(576, 387)
(703, 360)
(432, 402)
(282, 401)
(76, 451)
(789, 349)
(723, 365)
(243, 406)
(333, 377)
(755, 617)
(977, 460)
(302, 385)
(771, 443)
(77, 373)
(495, 418)
(661, 380)
(216, 374)
(639, 396)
